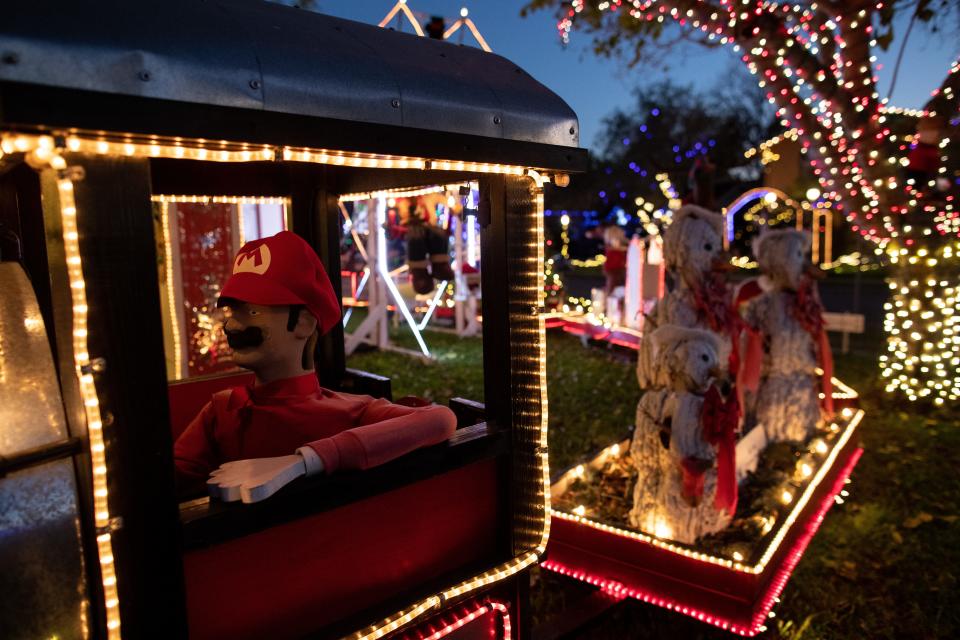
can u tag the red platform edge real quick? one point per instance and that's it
(467, 624)
(576, 563)
(581, 327)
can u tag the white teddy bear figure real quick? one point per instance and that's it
(700, 299)
(786, 340)
(683, 444)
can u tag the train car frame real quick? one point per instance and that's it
(104, 107)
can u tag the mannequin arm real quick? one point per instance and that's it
(259, 478)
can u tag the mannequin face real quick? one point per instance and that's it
(260, 340)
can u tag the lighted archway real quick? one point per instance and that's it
(821, 219)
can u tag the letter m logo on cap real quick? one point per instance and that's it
(256, 261)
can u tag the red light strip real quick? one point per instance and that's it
(490, 607)
(769, 598)
(504, 617)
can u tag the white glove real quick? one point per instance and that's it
(256, 479)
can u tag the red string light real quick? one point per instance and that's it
(469, 615)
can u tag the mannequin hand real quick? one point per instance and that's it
(254, 480)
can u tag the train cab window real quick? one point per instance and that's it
(197, 238)
(410, 288)
(410, 296)
(413, 256)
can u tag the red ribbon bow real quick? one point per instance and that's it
(808, 310)
(715, 304)
(719, 421)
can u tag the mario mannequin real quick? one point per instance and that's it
(277, 302)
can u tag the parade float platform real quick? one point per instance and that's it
(591, 329)
(734, 591)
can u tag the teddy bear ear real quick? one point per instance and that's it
(695, 212)
(668, 338)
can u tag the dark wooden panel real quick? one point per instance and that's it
(115, 224)
(208, 522)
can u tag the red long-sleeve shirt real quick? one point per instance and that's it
(347, 431)
(616, 260)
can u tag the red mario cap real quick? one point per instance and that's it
(283, 269)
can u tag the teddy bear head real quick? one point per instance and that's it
(782, 256)
(693, 242)
(686, 359)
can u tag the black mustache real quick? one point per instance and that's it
(249, 337)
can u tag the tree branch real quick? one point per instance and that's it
(945, 100)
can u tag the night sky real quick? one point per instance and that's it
(594, 87)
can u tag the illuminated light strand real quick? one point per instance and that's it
(171, 294)
(91, 401)
(466, 21)
(195, 199)
(227, 151)
(495, 575)
(790, 134)
(725, 562)
(539, 181)
(794, 134)
(565, 236)
(401, 6)
(401, 192)
(770, 596)
(501, 608)
(460, 622)
(395, 622)
(492, 606)
(384, 270)
(356, 295)
(926, 369)
(432, 305)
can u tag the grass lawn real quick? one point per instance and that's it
(883, 565)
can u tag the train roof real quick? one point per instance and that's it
(273, 63)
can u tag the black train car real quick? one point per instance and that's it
(113, 112)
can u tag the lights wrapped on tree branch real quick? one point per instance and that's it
(815, 64)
